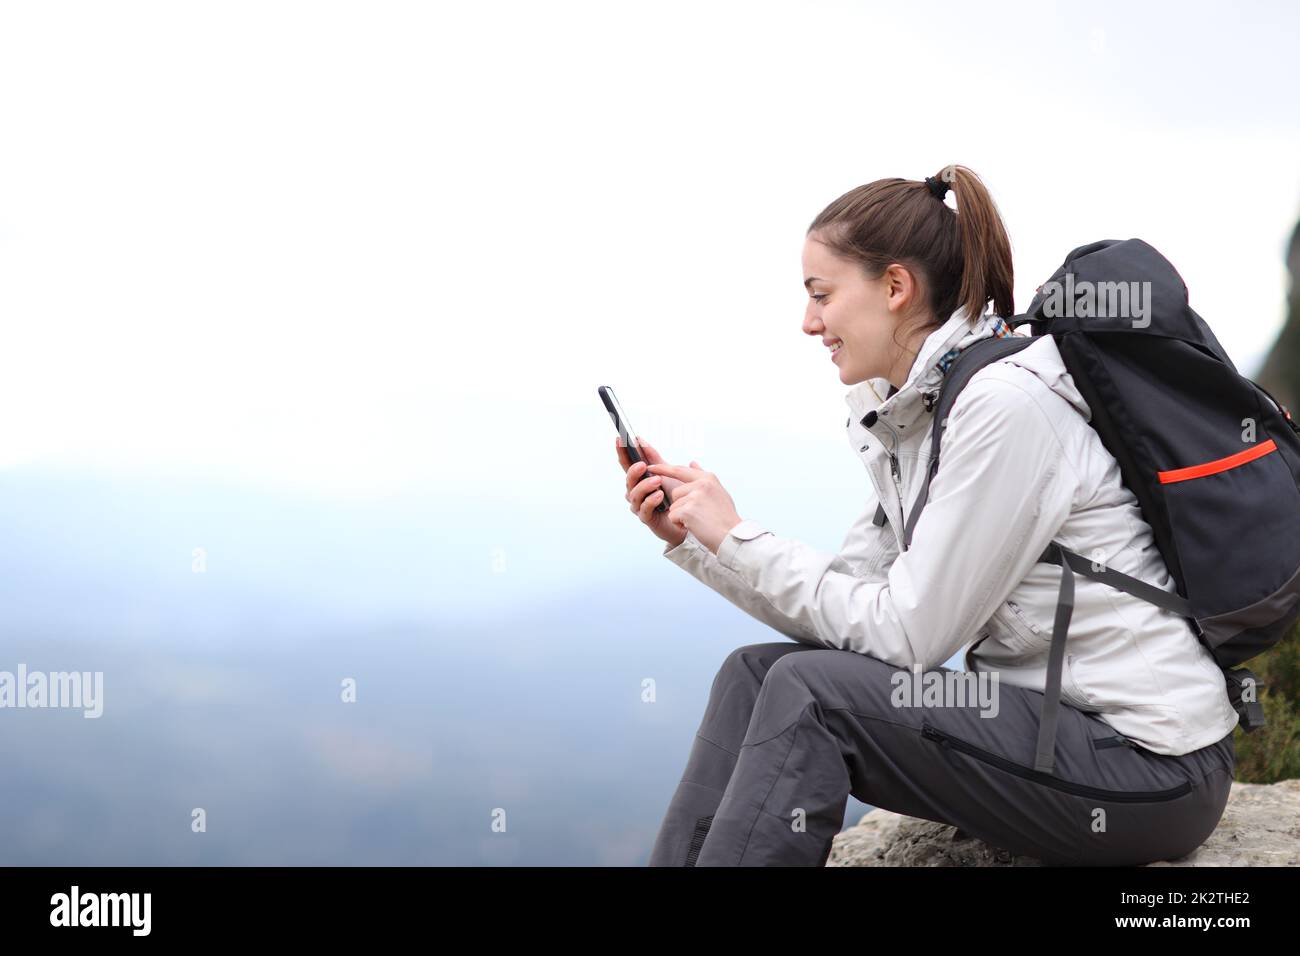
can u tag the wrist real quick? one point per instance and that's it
(736, 537)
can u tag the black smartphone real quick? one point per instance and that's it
(626, 435)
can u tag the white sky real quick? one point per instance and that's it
(351, 247)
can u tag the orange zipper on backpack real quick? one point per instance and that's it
(1218, 465)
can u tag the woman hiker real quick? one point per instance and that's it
(898, 282)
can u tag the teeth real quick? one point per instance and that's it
(836, 347)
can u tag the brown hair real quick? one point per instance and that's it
(962, 257)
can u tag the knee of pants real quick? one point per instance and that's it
(786, 693)
(751, 662)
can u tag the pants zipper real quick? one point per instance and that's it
(1047, 779)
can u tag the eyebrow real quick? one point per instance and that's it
(807, 283)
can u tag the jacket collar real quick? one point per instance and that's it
(902, 408)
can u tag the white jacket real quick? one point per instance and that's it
(1021, 467)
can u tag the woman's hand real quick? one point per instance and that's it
(644, 492)
(700, 505)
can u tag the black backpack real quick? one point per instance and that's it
(1168, 403)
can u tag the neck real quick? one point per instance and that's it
(902, 366)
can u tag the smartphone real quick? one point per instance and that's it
(626, 434)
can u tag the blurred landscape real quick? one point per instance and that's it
(222, 689)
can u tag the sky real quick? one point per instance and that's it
(349, 248)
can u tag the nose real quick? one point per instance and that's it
(812, 323)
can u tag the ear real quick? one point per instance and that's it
(900, 287)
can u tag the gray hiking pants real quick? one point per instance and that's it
(791, 730)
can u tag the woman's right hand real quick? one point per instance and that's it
(645, 493)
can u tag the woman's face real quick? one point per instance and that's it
(859, 314)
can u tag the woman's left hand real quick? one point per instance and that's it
(700, 504)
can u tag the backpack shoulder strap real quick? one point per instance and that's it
(964, 367)
(969, 361)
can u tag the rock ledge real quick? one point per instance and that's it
(1260, 827)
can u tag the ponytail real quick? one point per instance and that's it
(986, 271)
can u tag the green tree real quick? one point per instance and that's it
(1272, 753)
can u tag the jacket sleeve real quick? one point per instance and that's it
(1003, 490)
(703, 564)
(861, 542)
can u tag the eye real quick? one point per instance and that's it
(818, 298)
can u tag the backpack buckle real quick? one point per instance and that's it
(1250, 713)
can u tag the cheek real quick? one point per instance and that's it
(869, 333)
(843, 318)
(837, 323)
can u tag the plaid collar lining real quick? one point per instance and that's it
(999, 329)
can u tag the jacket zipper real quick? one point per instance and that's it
(898, 487)
(1047, 779)
(893, 468)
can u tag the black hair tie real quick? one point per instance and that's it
(937, 187)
